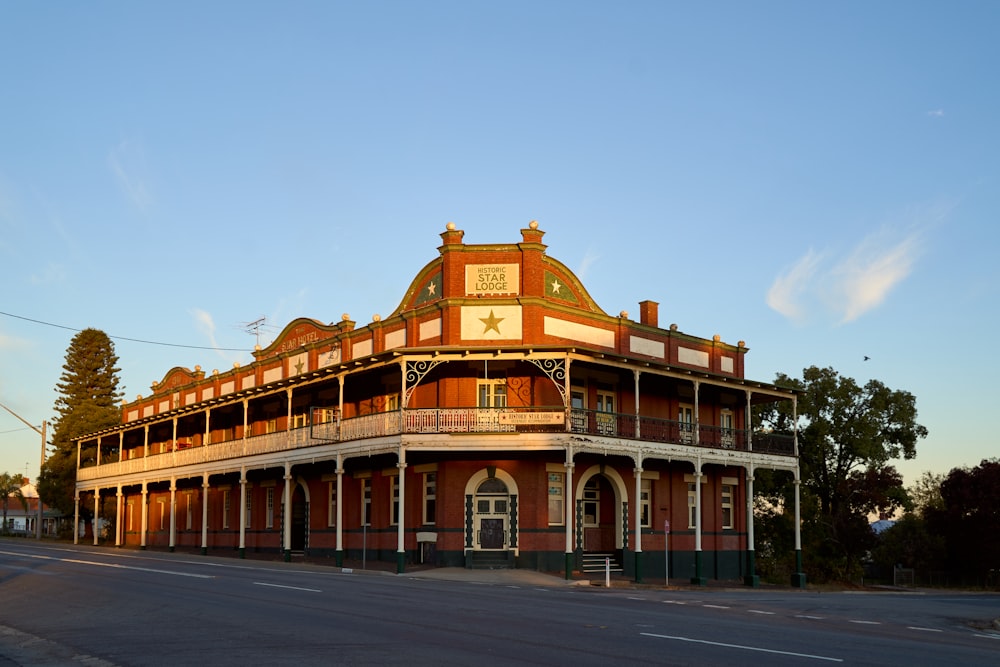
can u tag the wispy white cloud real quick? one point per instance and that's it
(936, 113)
(50, 274)
(588, 260)
(864, 279)
(127, 161)
(787, 291)
(205, 323)
(853, 286)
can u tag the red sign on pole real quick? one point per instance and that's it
(666, 526)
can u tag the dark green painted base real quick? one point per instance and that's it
(570, 562)
(243, 553)
(204, 551)
(171, 549)
(799, 580)
(288, 555)
(699, 581)
(338, 557)
(752, 580)
(400, 562)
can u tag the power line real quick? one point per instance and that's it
(131, 340)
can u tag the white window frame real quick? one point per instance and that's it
(430, 498)
(162, 502)
(366, 501)
(557, 497)
(727, 495)
(685, 422)
(646, 503)
(491, 393)
(692, 498)
(394, 501)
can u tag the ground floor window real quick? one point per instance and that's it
(727, 505)
(557, 498)
(430, 497)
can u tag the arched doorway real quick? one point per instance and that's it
(599, 506)
(491, 515)
(601, 499)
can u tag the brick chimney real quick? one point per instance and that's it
(649, 313)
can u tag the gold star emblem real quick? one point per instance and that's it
(431, 289)
(555, 287)
(492, 322)
(298, 367)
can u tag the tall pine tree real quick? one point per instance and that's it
(88, 401)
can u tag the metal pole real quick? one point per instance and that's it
(41, 515)
(38, 528)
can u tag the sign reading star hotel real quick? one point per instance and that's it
(492, 322)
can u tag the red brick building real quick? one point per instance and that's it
(497, 418)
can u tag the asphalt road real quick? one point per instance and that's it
(64, 605)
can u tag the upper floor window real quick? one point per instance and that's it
(685, 419)
(492, 394)
(392, 403)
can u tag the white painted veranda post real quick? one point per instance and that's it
(204, 514)
(118, 517)
(637, 514)
(243, 511)
(401, 523)
(287, 527)
(145, 515)
(173, 513)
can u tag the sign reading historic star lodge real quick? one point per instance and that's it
(492, 279)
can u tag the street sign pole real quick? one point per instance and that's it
(666, 551)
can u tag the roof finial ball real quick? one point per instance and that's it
(533, 224)
(450, 226)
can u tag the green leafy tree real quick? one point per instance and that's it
(926, 493)
(88, 401)
(847, 437)
(969, 520)
(10, 487)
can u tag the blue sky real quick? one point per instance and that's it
(817, 179)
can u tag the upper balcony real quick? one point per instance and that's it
(328, 429)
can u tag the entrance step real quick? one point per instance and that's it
(595, 563)
(489, 560)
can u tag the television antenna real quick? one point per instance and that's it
(256, 327)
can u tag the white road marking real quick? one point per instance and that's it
(758, 611)
(742, 647)
(714, 606)
(114, 566)
(865, 622)
(913, 627)
(674, 602)
(811, 618)
(293, 588)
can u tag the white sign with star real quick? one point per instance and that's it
(491, 322)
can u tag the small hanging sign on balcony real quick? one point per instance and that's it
(532, 418)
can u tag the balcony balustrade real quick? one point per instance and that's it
(458, 420)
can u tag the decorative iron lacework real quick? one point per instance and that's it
(555, 369)
(625, 524)
(513, 521)
(579, 524)
(415, 372)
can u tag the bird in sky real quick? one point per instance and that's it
(867, 357)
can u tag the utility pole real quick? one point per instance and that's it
(41, 432)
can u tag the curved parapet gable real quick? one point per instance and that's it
(425, 288)
(561, 284)
(299, 333)
(178, 376)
